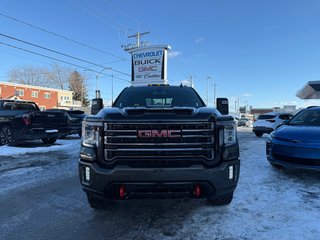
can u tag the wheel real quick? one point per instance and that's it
(95, 203)
(49, 140)
(63, 137)
(258, 134)
(225, 200)
(6, 135)
(276, 166)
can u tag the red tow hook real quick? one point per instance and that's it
(122, 191)
(197, 190)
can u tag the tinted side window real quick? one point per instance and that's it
(262, 117)
(285, 116)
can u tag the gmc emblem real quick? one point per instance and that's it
(159, 134)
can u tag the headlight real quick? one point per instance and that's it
(230, 134)
(90, 133)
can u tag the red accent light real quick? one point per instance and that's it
(197, 190)
(26, 119)
(122, 192)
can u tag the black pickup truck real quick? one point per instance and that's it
(159, 141)
(23, 120)
(74, 121)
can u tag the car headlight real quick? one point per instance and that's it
(230, 134)
(90, 133)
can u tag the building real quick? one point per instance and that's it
(45, 98)
(65, 100)
(311, 90)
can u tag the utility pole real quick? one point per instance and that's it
(214, 94)
(191, 81)
(137, 36)
(112, 89)
(208, 78)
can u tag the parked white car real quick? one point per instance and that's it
(268, 122)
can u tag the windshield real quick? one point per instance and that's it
(306, 117)
(19, 106)
(158, 97)
(262, 117)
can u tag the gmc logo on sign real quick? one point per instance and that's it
(159, 134)
(147, 69)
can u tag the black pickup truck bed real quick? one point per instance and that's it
(23, 120)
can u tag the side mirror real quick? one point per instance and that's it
(223, 105)
(96, 105)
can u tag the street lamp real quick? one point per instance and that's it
(98, 83)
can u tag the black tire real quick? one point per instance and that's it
(258, 134)
(63, 137)
(49, 140)
(221, 201)
(95, 203)
(6, 135)
(277, 166)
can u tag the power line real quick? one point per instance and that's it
(108, 16)
(52, 58)
(57, 52)
(95, 15)
(122, 12)
(25, 57)
(61, 36)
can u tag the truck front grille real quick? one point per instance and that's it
(159, 142)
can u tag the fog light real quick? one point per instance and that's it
(122, 192)
(87, 174)
(230, 172)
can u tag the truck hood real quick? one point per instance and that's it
(157, 114)
(307, 134)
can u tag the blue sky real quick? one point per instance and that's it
(261, 52)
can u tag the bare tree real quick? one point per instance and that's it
(58, 77)
(29, 75)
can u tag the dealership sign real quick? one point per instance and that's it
(149, 65)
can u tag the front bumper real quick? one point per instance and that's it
(295, 165)
(159, 182)
(262, 129)
(64, 131)
(291, 155)
(36, 133)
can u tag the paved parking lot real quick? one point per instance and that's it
(41, 198)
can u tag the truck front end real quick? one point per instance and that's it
(178, 149)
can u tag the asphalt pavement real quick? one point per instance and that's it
(42, 199)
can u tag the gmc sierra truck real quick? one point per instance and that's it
(23, 120)
(159, 141)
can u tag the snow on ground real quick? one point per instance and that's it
(268, 203)
(38, 146)
(32, 161)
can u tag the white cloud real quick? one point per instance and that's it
(173, 54)
(247, 95)
(199, 40)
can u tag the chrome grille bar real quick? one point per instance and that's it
(196, 140)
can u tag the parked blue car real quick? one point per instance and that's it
(296, 144)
